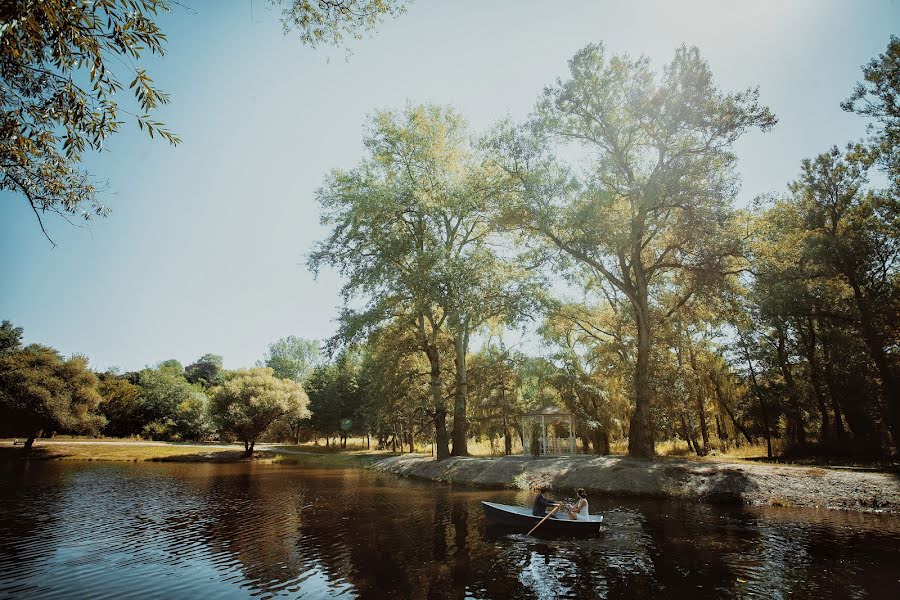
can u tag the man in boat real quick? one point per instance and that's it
(541, 502)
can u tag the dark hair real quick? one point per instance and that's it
(581, 493)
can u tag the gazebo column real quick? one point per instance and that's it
(571, 436)
(544, 435)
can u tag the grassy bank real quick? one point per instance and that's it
(139, 450)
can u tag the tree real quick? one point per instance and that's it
(841, 242)
(207, 371)
(293, 358)
(170, 406)
(10, 337)
(394, 388)
(250, 400)
(62, 64)
(334, 397)
(330, 22)
(410, 229)
(879, 99)
(121, 406)
(653, 213)
(40, 390)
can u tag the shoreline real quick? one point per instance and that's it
(723, 482)
(666, 479)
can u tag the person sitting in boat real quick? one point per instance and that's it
(541, 502)
(579, 510)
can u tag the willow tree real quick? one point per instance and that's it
(652, 211)
(409, 231)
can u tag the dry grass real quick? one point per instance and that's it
(123, 451)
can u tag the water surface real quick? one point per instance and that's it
(114, 530)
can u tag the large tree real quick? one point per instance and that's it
(207, 371)
(170, 406)
(410, 231)
(40, 390)
(653, 210)
(250, 400)
(293, 358)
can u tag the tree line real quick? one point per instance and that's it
(605, 226)
(606, 222)
(43, 393)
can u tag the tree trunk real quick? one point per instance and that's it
(688, 436)
(640, 430)
(808, 338)
(762, 403)
(796, 430)
(830, 384)
(601, 441)
(29, 442)
(460, 425)
(441, 439)
(720, 396)
(698, 400)
(876, 347)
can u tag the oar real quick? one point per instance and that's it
(544, 519)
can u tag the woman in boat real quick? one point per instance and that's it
(579, 510)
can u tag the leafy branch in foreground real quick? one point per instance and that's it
(60, 69)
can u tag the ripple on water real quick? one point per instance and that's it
(232, 531)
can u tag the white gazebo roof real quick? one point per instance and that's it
(548, 411)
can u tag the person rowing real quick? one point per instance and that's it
(541, 502)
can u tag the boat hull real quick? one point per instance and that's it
(521, 518)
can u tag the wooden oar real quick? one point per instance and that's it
(544, 519)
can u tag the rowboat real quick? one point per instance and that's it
(520, 517)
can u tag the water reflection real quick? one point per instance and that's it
(109, 530)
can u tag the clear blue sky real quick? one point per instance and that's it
(204, 250)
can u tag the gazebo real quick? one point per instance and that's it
(548, 417)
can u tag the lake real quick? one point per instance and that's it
(115, 530)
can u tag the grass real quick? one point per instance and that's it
(129, 450)
(124, 451)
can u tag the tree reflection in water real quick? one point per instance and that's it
(79, 529)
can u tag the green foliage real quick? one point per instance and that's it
(250, 400)
(330, 22)
(207, 371)
(652, 218)
(40, 390)
(411, 230)
(166, 396)
(878, 98)
(63, 65)
(10, 337)
(334, 397)
(293, 358)
(121, 406)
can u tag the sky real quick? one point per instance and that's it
(205, 248)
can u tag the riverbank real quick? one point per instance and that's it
(675, 479)
(151, 451)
